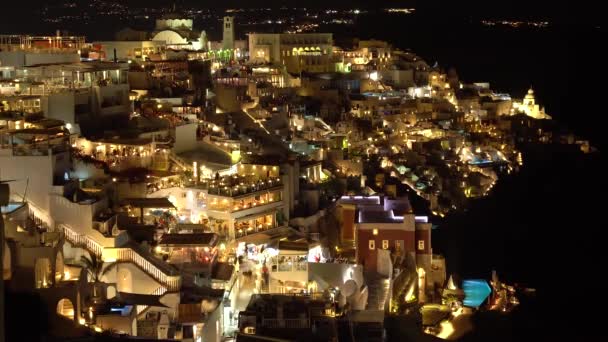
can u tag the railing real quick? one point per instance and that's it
(80, 240)
(290, 323)
(180, 161)
(252, 205)
(269, 185)
(168, 278)
(38, 221)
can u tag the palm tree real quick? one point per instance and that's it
(95, 268)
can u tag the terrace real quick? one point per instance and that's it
(257, 223)
(35, 141)
(196, 249)
(56, 44)
(238, 186)
(12, 104)
(56, 78)
(123, 154)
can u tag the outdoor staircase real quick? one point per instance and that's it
(378, 290)
(179, 161)
(158, 270)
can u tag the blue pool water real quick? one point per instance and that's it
(476, 291)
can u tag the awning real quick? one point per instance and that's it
(149, 202)
(138, 299)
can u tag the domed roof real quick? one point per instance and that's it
(530, 91)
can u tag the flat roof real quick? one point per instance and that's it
(360, 200)
(378, 215)
(399, 206)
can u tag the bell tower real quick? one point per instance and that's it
(228, 38)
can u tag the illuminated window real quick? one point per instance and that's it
(372, 244)
(375, 231)
(398, 245)
(384, 244)
(420, 245)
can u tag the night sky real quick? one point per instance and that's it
(505, 8)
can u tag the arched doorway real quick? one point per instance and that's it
(59, 267)
(65, 308)
(110, 292)
(124, 280)
(42, 273)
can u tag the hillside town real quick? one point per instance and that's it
(165, 186)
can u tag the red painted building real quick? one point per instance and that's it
(380, 229)
(389, 224)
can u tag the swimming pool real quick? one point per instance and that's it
(476, 291)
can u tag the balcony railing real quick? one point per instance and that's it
(79, 240)
(231, 191)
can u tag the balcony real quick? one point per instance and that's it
(38, 150)
(239, 186)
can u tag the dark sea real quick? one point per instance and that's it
(542, 227)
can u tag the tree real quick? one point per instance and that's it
(95, 267)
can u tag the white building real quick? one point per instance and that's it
(68, 92)
(311, 52)
(529, 107)
(178, 33)
(131, 50)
